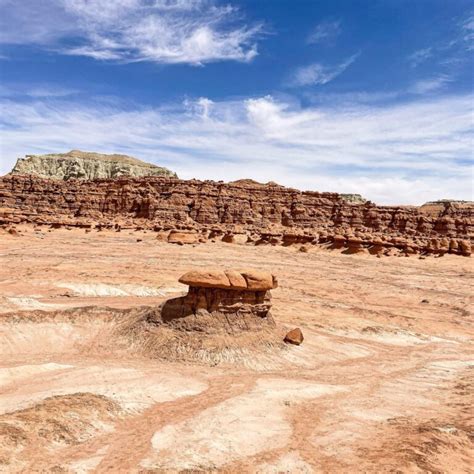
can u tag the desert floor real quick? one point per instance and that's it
(383, 381)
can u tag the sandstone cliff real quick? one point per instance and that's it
(241, 212)
(86, 165)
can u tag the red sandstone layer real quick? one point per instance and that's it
(246, 210)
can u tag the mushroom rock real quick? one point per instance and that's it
(338, 242)
(443, 246)
(453, 246)
(272, 238)
(254, 280)
(376, 246)
(465, 247)
(221, 301)
(296, 238)
(355, 245)
(228, 238)
(410, 247)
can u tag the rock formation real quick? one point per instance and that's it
(244, 211)
(221, 301)
(78, 164)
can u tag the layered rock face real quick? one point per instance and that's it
(221, 301)
(244, 211)
(78, 164)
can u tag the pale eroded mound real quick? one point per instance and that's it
(78, 164)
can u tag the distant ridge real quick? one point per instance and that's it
(77, 164)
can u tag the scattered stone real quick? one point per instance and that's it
(295, 336)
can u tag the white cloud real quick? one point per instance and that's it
(319, 74)
(404, 153)
(161, 31)
(324, 32)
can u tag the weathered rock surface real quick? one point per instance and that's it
(78, 164)
(254, 280)
(192, 211)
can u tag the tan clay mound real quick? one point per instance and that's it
(141, 332)
(65, 420)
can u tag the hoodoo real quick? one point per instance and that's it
(222, 301)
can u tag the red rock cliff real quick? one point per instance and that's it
(265, 213)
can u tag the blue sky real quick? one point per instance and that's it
(371, 96)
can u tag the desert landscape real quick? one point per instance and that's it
(236, 237)
(123, 351)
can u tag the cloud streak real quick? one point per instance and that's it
(420, 56)
(426, 86)
(161, 31)
(319, 74)
(325, 32)
(400, 153)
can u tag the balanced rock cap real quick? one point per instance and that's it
(253, 280)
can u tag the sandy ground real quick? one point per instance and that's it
(383, 381)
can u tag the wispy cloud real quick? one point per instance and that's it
(161, 31)
(326, 31)
(407, 152)
(37, 91)
(420, 56)
(320, 74)
(425, 86)
(468, 32)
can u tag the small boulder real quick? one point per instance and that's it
(295, 336)
(181, 237)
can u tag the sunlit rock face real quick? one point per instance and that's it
(78, 164)
(193, 212)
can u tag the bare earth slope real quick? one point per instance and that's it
(381, 383)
